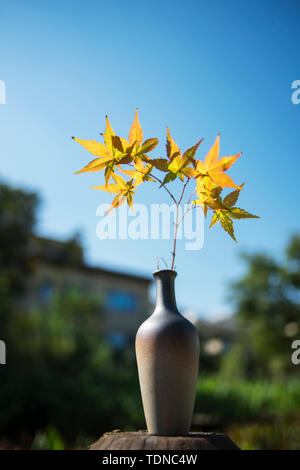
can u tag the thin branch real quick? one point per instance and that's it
(191, 196)
(175, 238)
(157, 179)
(188, 210)
(177, 224)
(177, 203)
(184, 186)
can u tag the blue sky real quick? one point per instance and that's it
(200, 67)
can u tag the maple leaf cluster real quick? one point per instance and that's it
(209, 176)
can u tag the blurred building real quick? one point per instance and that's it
(216, 337)
(58, 266)
(123, 298)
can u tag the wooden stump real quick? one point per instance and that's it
(141, 440)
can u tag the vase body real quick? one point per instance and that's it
(167, 351)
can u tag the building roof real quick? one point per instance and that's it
(118, 274)
(70, 254)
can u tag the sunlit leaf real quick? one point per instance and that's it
(95, 148)
(136, 133)
(215, 192)
(190, 172)
(222, 179)
(131, 173)
(130, 149)
(200, 167)
(191, 152)
(227, 224)
(214, 220)
(109, 170)
(147, 146)
(237, 213)
(224, 163)
(119, 143)
(178, 163)
(130, 200)
(160, 163)
(140, 174)
(215, 167)
(213, 153)
(119, 181)
(169, 177)
(232, 197)
(124, 160)
(95, 165)
(109, 188)
(171, 147)
(117, 202)
(108, 134)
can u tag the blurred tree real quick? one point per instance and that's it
(17, 221)
(60, 373)
(68, 377)
(62, 253)
(268, 310)
(20, 248)
(293, 262)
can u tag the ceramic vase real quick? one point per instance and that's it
(167, 351)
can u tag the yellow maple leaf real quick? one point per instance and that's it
(136, 132)
(95, 165)
(171, 147)
(213, 153)
(147, 146)
(215, 167)
(140, 174)
(109, 153)
(123, 189)
(108, 134)
(95, 148)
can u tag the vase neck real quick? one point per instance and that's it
(165, 291)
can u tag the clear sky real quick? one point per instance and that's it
(200, 67)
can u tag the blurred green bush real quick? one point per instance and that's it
(62, 374)
(244, 400)
(64, 385)
(256, 414)
(279, 435)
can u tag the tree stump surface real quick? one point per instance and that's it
(141, 440)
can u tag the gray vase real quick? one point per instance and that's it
(167, 351)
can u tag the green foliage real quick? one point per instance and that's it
(62, 253)
(17, 221)
(234, 365)
(283, 434)
(62, 382)
(68, 377)
(237, 401)
(266, 301)
(49, 439)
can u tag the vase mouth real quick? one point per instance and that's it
(165, 273)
